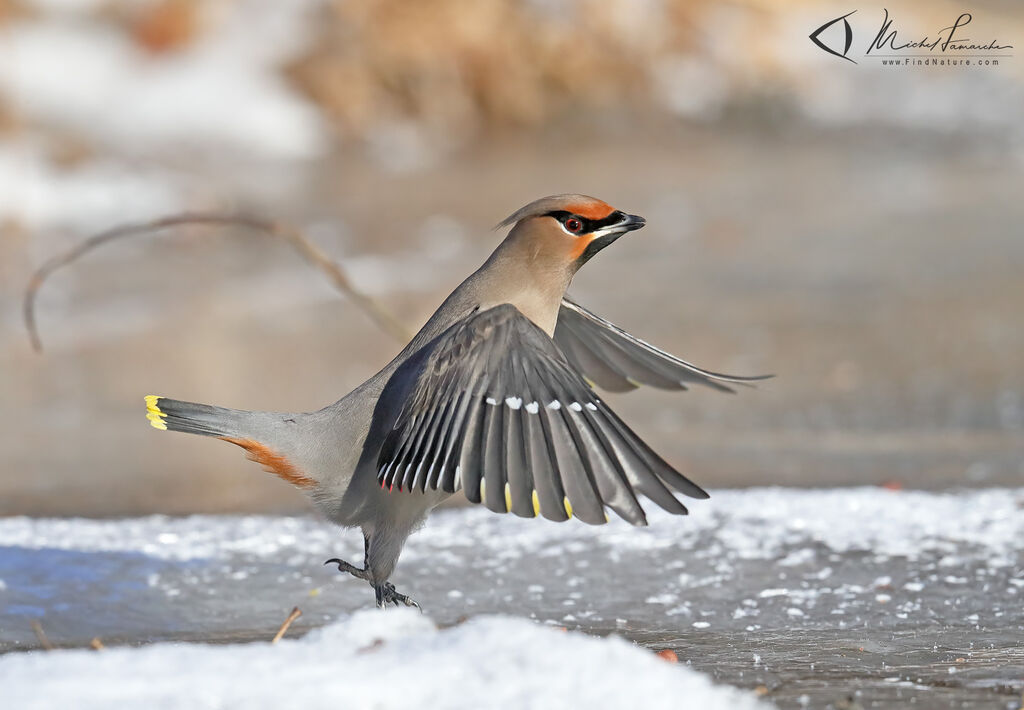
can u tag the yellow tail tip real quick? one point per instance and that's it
(153, 413)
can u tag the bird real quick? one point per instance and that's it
(496, 396)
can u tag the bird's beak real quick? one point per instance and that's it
(608, 234)
(627, 223)
(630, 222)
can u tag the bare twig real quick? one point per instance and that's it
(37, 628)
(380, 315)
(296, 613)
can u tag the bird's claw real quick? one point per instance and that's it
(387, 594)
(344, 566)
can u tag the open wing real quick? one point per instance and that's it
(616, 361)
(497, 410)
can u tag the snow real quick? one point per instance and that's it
(150, 133)
(375, 660)
(92, 196)
(752, 524)
(224, 91)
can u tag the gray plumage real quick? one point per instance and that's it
(492, 396)
(469, 421)
(616, 361)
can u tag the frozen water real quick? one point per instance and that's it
(876, 594)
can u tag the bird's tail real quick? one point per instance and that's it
(262, 434)
(193, 418)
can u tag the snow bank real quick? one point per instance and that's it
(371, 660)
(91, 196)
(224, 90)
(145, 133)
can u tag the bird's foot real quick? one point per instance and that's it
(343, 566)
(387, 594)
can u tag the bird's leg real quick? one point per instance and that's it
(357, 572)
(384, 591)
(386, 594)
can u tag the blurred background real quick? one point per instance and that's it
(853, 228)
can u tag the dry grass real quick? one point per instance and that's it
(461, 64)
(456, 68)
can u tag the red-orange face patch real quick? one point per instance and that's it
(591, 210)
(580, 246)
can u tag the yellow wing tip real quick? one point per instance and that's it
(153, 413)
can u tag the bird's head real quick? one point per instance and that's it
(567, 230)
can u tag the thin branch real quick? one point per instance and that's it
(380, 315)
(296, 613)
(37, 628)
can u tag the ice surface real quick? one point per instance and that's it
(371, 660)
(866, 584)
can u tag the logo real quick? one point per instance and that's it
(949, 46)
(849, 36)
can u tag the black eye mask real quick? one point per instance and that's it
(589, 225)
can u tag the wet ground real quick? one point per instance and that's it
(825, 598)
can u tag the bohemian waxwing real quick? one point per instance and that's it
(493, 395)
